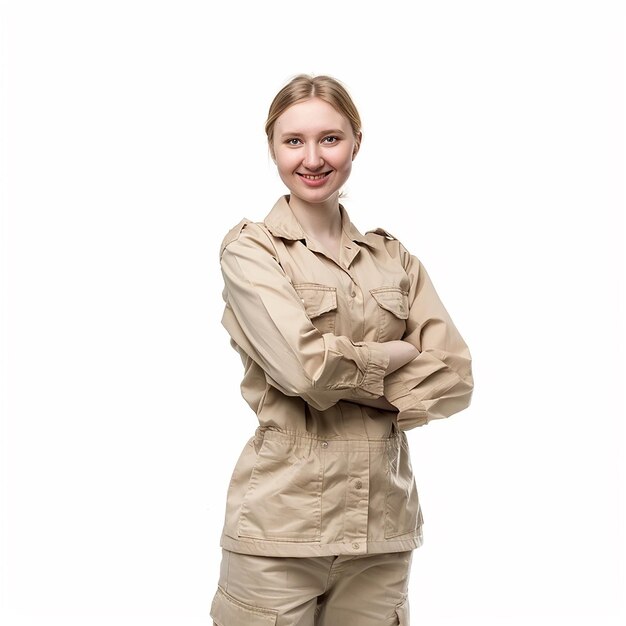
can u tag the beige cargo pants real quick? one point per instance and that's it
(368, 590)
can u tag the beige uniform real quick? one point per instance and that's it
(327, 476)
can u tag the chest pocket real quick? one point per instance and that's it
(320, 305)
(393, 311)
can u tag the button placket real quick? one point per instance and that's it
(357, 499)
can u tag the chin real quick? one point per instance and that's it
(316, 198)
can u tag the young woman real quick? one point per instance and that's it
(345, 345)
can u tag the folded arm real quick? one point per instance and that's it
(438, 381)
(266, 318)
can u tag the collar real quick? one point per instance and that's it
(281, 222)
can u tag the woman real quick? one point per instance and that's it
(345, 345)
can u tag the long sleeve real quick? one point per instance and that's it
(266, 319)
(439, 381)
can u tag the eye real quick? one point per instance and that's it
(294, 141)
(331, 139)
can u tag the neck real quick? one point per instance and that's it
(321, 221)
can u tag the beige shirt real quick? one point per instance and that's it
(324, 474)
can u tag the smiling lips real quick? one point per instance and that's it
(313, 180)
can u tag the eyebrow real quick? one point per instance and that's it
(322, 133)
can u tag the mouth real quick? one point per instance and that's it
(313, 180)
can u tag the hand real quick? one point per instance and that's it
(400, 353)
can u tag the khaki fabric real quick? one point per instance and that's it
(368, 590)
(325, 474)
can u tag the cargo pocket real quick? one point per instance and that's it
(402, 611)
(402, 508)
(400, 616)
(283, 498)
(228, 611)
(320, 305)
(393, 311)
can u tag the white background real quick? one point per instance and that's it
(132, 140)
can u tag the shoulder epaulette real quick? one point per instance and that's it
(382, 232)
(233, 234)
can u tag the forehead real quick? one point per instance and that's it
(311, 116)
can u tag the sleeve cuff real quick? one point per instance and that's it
(395, 389)
(374, 374)
(411, 412)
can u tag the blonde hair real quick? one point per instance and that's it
(303, 87)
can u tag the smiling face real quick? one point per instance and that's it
(313, 147)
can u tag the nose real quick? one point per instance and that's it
(312, 156)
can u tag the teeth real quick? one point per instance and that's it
(316, 177)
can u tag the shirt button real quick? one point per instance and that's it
(324, 444)
(353, 294)
(355, 546)
(358, 484)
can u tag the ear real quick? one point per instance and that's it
(357, 145)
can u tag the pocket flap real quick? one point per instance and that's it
(317, 299)
(402, 611)
(228, 611)
(392, 299)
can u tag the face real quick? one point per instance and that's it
(313, 148)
